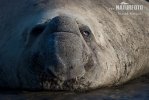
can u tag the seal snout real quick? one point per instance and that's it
(61, 52)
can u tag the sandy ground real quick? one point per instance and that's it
(134, 90)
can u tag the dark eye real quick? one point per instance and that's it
(86, 32)
(37, 30)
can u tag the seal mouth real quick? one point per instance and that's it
(49, 81)
(58, 84)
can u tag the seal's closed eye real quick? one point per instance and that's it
(37, 30)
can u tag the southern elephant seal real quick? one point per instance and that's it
(71, 44)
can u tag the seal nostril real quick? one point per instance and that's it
(37, 30)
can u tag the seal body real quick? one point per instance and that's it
(71, 45)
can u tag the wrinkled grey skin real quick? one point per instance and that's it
(71, 44)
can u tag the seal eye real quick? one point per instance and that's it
(38, 29)
(86, 32)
